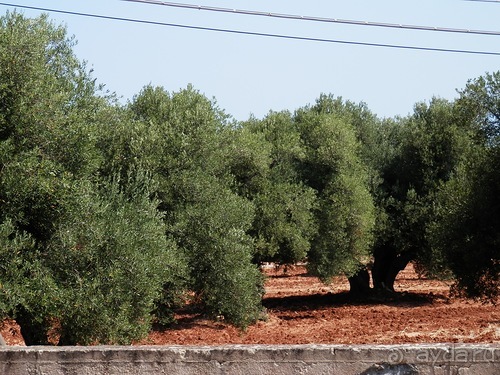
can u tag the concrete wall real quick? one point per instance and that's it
(439, 359)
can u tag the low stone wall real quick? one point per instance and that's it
(438, 359)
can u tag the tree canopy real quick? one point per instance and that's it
(81, 249)
(113, 215)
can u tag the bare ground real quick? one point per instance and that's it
(301, 310)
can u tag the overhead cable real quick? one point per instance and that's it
(485, 1)
(241, 32)
(317, 19)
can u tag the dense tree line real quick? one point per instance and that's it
(112, 216)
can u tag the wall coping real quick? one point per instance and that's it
(404, 359)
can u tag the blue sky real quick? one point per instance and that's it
(253, 75)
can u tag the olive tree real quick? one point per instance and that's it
(84, 255)
(207, 219)
(111, 260)
(465, 235)
(345, 213)
(426, 149)
(265, 163)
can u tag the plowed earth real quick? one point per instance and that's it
(301, 310)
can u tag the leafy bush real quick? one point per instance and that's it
(345, 213)
(207, 220)
(211, 229)
(264, 162)
(465, 235)
(84, 254)
(112, 260)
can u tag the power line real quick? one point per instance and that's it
(317, 19)
(251, 33)
(485, 1)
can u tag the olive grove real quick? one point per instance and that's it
(114, 215)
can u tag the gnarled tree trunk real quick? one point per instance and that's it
(386, 267)
(33, 331)
(359, 284)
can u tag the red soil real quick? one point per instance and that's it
(301, 310)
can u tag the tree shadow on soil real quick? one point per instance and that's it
(317, 301)
(188, 321)
(191, 316)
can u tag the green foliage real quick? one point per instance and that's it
(125, 144)
(345, 211)
(48, 105)
(479, 107)
(249, 159)
(465, 234)
(47, 98)
(81, 254)
(430, 145)
(110, 213)
(111, 258)
(188, 129)
(210, 227)
(208, 221)
(99, 274)
(33, 192)
(284, 222)
(23, 279)
(266, 169)
(364, 122)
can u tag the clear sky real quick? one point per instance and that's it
(253, 75)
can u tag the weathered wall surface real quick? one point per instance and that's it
(439, 359)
